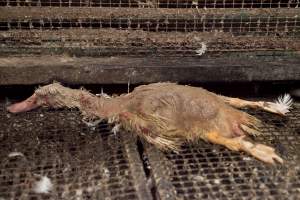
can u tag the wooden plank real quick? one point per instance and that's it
(115, 13)
(85, 42)
(156, 3)
(121, 70)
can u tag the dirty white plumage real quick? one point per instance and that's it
(116, 128)
(168, 115)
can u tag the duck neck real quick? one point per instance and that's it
(102, 107)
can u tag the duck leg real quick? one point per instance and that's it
(281, 106)
(262, 152)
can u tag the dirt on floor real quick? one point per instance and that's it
(136, 39)
(81, 162)
(115, 12)
(86, 162)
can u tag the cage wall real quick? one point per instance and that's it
(166, 27)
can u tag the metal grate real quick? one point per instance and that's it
(108, 28)
(231, 24)
(81, 162)
(202, 172)
(87, 163)
(157, 3)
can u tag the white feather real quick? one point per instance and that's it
(44, 185)
(202, 50)
(106, 172)
(283, 104)
(15, 154)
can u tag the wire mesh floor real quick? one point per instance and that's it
(203, 171)
(93, 163)
(82, 163)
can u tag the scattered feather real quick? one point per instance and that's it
(44, 185)
(90, 189)
(202, 50)
(199, 178)
(246, 158)
(282, 104)
(106, 173)
(217, 181)
(15, 154)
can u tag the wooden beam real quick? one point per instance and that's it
(121, 70)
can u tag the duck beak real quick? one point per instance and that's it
(26, 105)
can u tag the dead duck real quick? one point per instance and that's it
(167, 114)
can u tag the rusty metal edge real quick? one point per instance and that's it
(160, 170)
(136, 167)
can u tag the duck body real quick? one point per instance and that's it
(165, 114)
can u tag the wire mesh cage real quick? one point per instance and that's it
(164, 27)
(72, 157)
(197, 173)
(119, 41)
(157, 3)
(85, 162)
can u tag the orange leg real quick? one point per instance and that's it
(259, 151)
